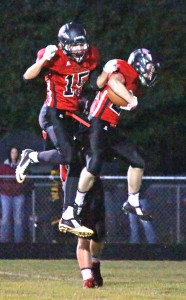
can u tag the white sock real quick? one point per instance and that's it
(86, 273)
(33, 156)
(79, 200)
(133, 199)
(68, 213)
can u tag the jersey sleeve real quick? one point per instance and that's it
(40, 54)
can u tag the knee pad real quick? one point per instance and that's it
(94, 166)
(100, 231)
(140, 164)
(136, 160)
(66, 156)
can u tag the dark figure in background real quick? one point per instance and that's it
(12, 201)
(140, 230)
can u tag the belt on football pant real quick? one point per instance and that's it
(106, 122)
(77, 118)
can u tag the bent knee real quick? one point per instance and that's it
(140, 164)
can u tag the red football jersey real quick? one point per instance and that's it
(65, 78)
(102, 107)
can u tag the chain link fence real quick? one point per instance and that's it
(165, 197)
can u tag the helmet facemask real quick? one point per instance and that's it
(76, 51)
(148, 76)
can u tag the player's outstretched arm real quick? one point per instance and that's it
(35, 69)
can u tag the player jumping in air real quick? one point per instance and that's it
(67, 68)
(124, 79)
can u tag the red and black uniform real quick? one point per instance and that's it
(102, 107)
(65, 79)
(104, 131)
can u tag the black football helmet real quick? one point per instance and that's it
(146, 65)
(72, 38)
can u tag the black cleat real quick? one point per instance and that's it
(23, 165)
(98, 280)
(136, 210)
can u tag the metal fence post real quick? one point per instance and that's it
(33, 216)
(178, 214)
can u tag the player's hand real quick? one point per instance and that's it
(131, 106)
(110, 66)
(50, 51)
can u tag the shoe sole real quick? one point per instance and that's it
(79, 231)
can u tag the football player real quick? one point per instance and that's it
(67, 68)
(89, 250)
(124, 79)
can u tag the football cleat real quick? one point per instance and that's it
(98, 280)
(74, 227)
(23, 165)
(136, 210)
(88, 283)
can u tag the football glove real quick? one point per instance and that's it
(131, 106)
(110, 66)
(50, 51)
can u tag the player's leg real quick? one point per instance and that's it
(85, 262)
(61, 131)
(129, 151)
(134, 177)
(98, 143)
(68, 221)
(133, 205)
(96, 251)
(96, 215)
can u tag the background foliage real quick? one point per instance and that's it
(116, 28)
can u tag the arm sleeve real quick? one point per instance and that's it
(93, 80)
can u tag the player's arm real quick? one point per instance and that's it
(102, 79)
(98, 80)
(109, 68)
(117, 83)
(36, 68)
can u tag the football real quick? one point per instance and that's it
(114, 98)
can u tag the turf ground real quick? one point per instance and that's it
(61, 279)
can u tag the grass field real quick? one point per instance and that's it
(61, 279)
